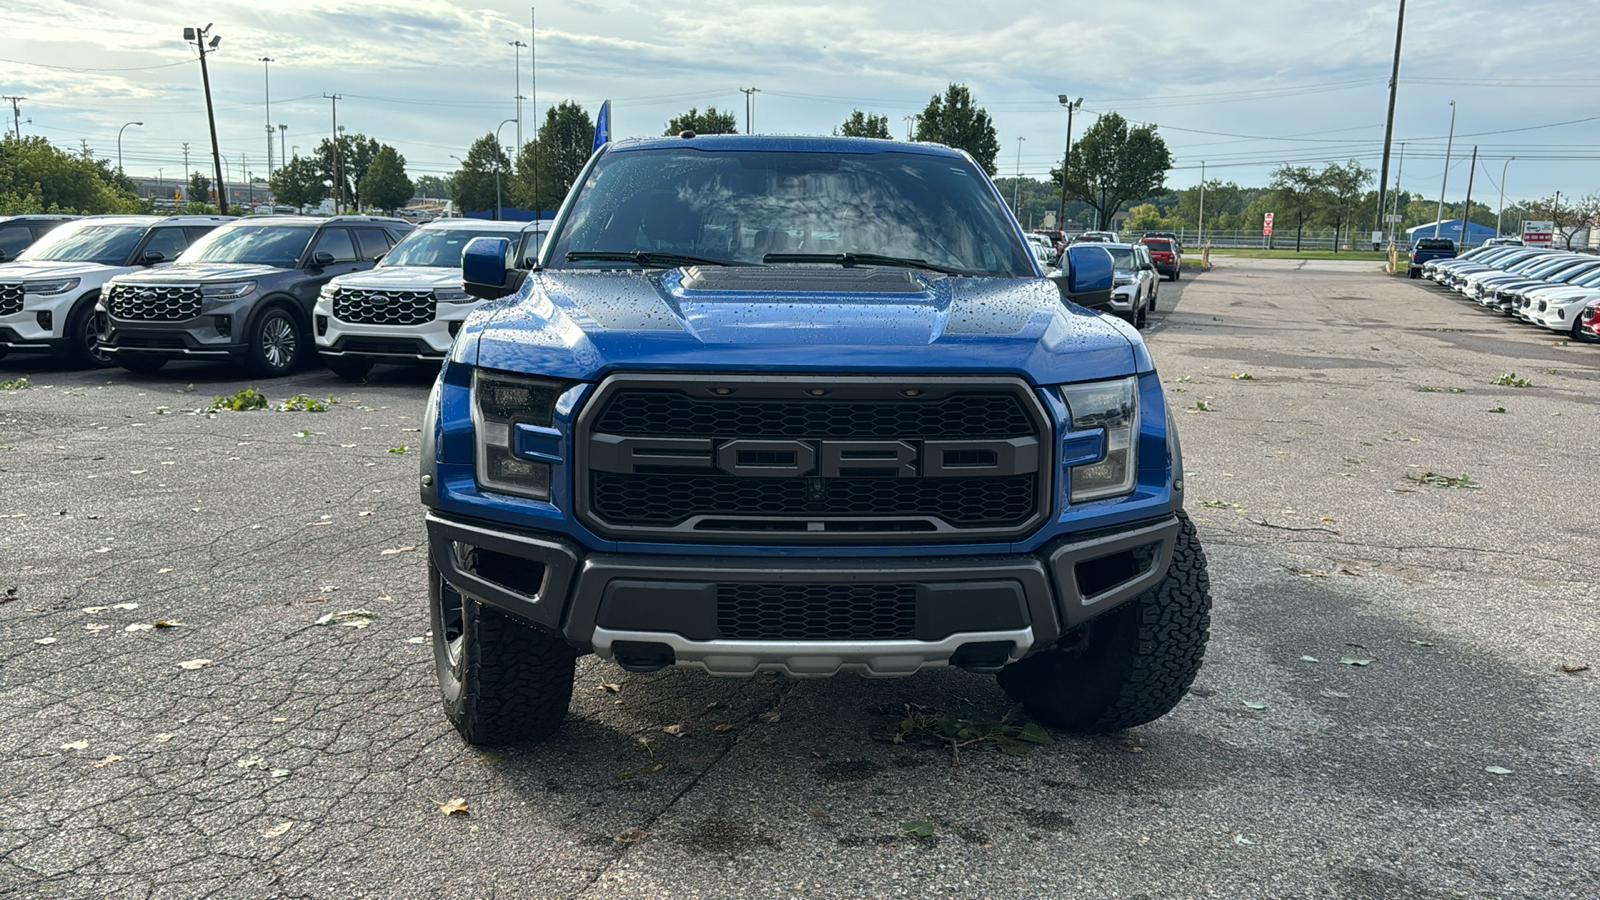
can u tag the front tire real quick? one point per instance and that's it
(276, 342)
(1134, 663)
(82, 347)
(503, 682)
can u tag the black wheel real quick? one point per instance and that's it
(503, 682)
(1414, 272)
(141, 363)
(353, 368)
(1142, 316)
(1578, 334)
(82, 347)
(275, 343)
(1133, 664)
(1155, 296)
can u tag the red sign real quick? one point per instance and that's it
(1266, 224)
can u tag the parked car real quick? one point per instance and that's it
(1167, 255)
(1563, 312)
(1590, 318)
(48, 295)
(17, 232)
(1502, 293)
(1428, 249)
(1169, 235)
(1102, 237)
(243, 292)
(1526, 299)
(1057, 239)
(409, 308)
(1134, 283)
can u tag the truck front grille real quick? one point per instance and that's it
(812, 459)
(10, 298)
(364, 307)
(816, 612)
(166, 303)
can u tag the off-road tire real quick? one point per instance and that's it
(81, 345)
(141, 363)
(354, 369)
(504, 682)
(1133, 664)
(277, 343)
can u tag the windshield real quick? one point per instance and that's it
(742, 205)
(108, 245)
(441, 248)
(265, 245)
(1121, 257)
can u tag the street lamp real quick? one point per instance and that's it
(198, 37)
(517, 52)
(119, 144)
(266, 80)
(1447, 147)
(1502, 197)
(283, 138)
(1066, 157)
(497, 203)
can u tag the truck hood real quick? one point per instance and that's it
(201, 273)
(581, 325)
(36, 271)
(402, 278)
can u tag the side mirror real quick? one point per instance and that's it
(1090, 268)
(3, 256)
(151, 257)
(322, 258)
(483, 268)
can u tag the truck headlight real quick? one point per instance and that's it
(500, 402)
(1112, 406)
(57, 286)
(232, 291)
(452, 295)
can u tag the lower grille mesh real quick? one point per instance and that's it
(816, 612)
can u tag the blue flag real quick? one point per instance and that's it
(602, 127)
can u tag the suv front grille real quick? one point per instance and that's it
(166, 303)
(383, 307)
(10, 298)
(816, 612)
(812, 459)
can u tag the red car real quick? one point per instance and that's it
(1168, 258)
(1589, 329)
(1057, 239)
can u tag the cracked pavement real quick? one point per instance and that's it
(305, 760)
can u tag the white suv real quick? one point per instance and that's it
(410, 307)
(47, 296)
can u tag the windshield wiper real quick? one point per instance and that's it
(849, 260)
(652, 258)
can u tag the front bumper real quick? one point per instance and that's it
(427, 342)
(977, 612)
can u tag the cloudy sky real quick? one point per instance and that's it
(1241, 85)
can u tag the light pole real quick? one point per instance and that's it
(497, 202)
(749, 105)
(266, 80)
(198, 36)
(1016, 193)
(909, 120)
(186, 196)
(1066, 157)
(338, 180)
(1502, 210)
(283, 139)
(1394, 224)
(1200, 237)
(1447, 147)
(517, 51)
(119, 143)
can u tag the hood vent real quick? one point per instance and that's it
(803, 279)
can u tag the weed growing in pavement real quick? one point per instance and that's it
(302, 403)
(1510, 379)
(1202, 406)
(1455, 481)
(1242, 376)
(1011, 732)
(1497, 409)
(400, 449)
(1425, 389)
(246, 399)
(21, 382)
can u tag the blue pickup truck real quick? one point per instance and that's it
(1426, 250)
(804, 405)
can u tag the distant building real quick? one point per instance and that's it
(1451, 228)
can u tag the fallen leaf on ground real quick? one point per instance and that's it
(1497, 770)
(165, 623)
(76, 745)
(193, 663)
(917, 827)
(278, 830)
(252, 762)
(770, 717)
(677, 731)
(1130, 747)
(102, 763)
(393, 550)
(163, 571)
(45, 640)
(95, 610)
(1336, 695)
(611, 688)
(632, 835)
(163, 737)
(279, 773)
(350, 618)
(140, 626)
(1240, 839)
(124, 606)
(1573, 670)
(1419, 643)
(1354, 661)
(1308, 659)
(452, 806)
(95, 627)
(724, 728)
(1254, 704)
(416, 640)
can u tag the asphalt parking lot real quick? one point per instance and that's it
(1395, 701)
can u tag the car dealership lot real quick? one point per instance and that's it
(304, 759)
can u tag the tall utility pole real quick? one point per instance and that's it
(749, 104)
(1200, 238)
(338, 175)
(517, 51)
(1449, 144)
(1066, 157)
(1394, 225)
(1502, 196)
(16, 113)
(283, 141)
(198, 35)
(1016, 193)
(1466, 208)
(1394, 85)
(186, 196)
(533, 97)
(909, 120)
(266, 80)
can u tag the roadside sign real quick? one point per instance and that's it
(1266, 224)
(1394, 217)
(1538, 234)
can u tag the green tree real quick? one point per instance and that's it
(432, 186)
(298, 183)
(199, 189)
(385, 185)
(708, 122)
(356, 152)
(1113, 164)
(549, 164)
(1296, 190)
(952, 120)
(1341, 190)
(867, 125)
(472, 187)
(36, 177)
